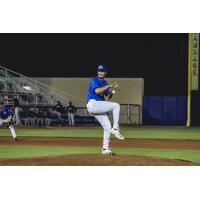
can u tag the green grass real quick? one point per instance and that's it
(31, 151)
(144, 133)
(16, 151)
(180, 154)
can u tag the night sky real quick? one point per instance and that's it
(161, 59)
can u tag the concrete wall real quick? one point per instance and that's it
(131, 89)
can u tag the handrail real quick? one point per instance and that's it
(43, 84)
(38, 86)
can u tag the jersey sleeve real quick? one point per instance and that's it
(94, 84)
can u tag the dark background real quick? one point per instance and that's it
(161, 59)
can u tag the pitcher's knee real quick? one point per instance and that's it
(117, 106)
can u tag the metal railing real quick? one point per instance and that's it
(15, 83)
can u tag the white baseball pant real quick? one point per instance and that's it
(12, 130)
(71, 119)
(17, 115)
(47, 121)
(99, 110)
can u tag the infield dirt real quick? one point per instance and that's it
(97, 142)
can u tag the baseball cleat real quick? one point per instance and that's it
(117, 134)
(16, 139)
(107, 152)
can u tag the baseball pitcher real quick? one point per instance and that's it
(6, 117)
(99, 108)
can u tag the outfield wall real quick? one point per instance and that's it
(164, 110)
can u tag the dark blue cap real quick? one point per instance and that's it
(102, 68)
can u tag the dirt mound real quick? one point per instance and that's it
(93, 160)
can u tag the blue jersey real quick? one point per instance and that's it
(5, 113)
(96, 82)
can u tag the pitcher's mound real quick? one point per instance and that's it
(93, 160)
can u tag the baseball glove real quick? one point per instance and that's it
(114, 89)
(114, 85)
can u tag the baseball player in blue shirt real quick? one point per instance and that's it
(99, 108)
(6, 118)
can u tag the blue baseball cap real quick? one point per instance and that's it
(102, 68)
